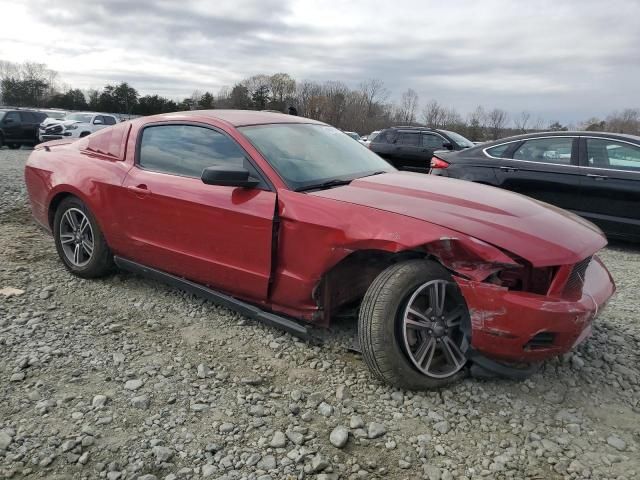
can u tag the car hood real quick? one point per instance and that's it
(540, 233)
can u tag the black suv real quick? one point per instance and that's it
(19, 127)
(411, 148)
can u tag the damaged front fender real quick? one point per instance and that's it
(469, 257)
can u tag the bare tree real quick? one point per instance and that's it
(408, 106)
(497, 120)
(627, 121)
(373, 91)
(476, 124)
(282, 87)
(522, 121)
(432, 114)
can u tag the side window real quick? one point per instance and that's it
(108, 120)
(27, 117)
(186, 150)
(605, 153)
(13, 116)
(99, 119)
(547, 150)
(499, 151)
(432, 141)
(409, 139)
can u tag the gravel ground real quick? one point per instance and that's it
(124, 378)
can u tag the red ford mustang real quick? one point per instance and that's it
(290, 221)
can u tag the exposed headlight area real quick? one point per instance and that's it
(71, 127)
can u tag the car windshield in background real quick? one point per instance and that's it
(353, 135)
(459, 139)
(306, 155)
(79, 117)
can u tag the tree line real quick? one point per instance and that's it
(363, 109)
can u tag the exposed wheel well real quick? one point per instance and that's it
(84, 134)
(53, 206)
(347, 282)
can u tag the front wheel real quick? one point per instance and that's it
(413, 326)
(79, 240)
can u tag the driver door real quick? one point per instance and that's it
(217, 236)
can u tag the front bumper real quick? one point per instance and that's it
(46, 138)
(515, 326)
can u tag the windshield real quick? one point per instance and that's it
(459, 139)
(79, 117)
(305, 154)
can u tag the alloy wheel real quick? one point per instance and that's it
(76, 237)
(431, 325)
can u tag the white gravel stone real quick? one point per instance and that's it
(99, 401)
(375, 430)
(616, 442)
(134, 384)
(279, 440)
(339, 436)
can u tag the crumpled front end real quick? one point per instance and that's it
(516, 325)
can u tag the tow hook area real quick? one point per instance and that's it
(482, 366)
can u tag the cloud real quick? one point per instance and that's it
(563, 59)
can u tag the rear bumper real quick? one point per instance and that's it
(524, 327)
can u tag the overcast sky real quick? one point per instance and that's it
(563, 60)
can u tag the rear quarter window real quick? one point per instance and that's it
(499, 151)
(383, 137)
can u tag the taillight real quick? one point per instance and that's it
(438, 163)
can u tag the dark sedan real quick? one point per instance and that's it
(596, 175)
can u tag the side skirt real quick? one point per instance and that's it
(218, 298)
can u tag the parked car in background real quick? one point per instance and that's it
(411, 148)
(19, 127)
(355, 136)
(367, 139)
(596, 175)
(290, 222)
(76, 125)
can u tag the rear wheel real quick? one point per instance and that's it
(79, 241)
(413, 326)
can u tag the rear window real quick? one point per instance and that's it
(459, 139)
(109, 120)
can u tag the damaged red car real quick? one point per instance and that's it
(291, 222)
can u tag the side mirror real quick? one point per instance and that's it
(228, 176)
(447, 145)
(97, 122)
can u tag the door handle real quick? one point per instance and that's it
(508, 169)
(140, 190)
(597, 177)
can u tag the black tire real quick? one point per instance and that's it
(1, 141)
(13, 146)
(380, 324)
(100, 261)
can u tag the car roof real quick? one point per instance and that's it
(237, 118)
(570, 133)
